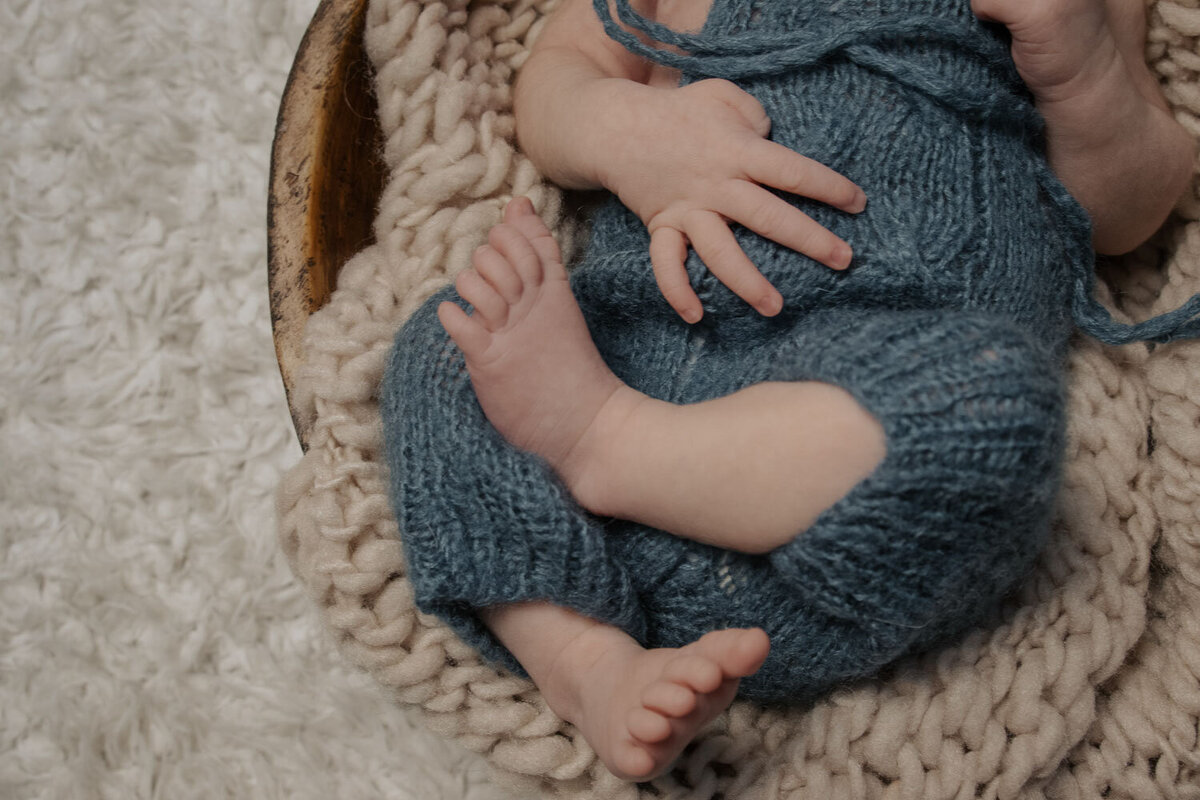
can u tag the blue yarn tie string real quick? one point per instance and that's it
(1095, 320)
(765, 53)
(1089, 314)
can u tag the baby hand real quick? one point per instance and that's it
(1061, 48)
(695, 158)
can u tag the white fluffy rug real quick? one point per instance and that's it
(153, 642)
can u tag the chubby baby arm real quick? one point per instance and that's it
(568, 98)
(687, 160)
(1110, 136)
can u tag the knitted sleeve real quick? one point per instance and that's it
(481, 522)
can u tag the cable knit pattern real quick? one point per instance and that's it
(1013, 710)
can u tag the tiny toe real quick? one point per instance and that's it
(693, 671)
(544, 244)
(498, 272)
(511, 243)
(749, 654)
(518, 207)
(737, 651)
(669, 698)
(631, 762)
(468, 333)
(490, 306)
(647, 726)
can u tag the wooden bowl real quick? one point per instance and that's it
(326, 177)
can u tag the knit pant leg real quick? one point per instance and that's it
(955, 515)
(925, 546)
(481, 522)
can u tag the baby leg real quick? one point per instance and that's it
(961, 505)
(638, 708)
(481, 522)
(488, 532)
(723, 472)
(926, 545)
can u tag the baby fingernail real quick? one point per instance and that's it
(771, 306)
(860, 202)
(840, 259)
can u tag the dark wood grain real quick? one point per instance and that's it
(326, 178)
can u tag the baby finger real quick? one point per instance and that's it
(720, 252)
(780, 221)
(668, 249)
(772, 164)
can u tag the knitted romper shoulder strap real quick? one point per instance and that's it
(755, 53)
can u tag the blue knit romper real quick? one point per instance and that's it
(972, 265)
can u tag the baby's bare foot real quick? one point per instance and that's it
(533, 364)
(639, 708)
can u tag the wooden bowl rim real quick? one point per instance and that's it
(302, 135)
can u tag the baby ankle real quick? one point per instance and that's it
(592, 470)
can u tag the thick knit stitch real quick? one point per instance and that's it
(971, 265)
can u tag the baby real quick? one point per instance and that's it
(824, 437)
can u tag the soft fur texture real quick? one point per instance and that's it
(1088, 689)
(152, 641)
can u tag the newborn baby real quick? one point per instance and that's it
(798, 411)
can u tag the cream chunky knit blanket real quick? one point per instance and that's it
(1090, 689)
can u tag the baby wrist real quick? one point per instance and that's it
(617, 130)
